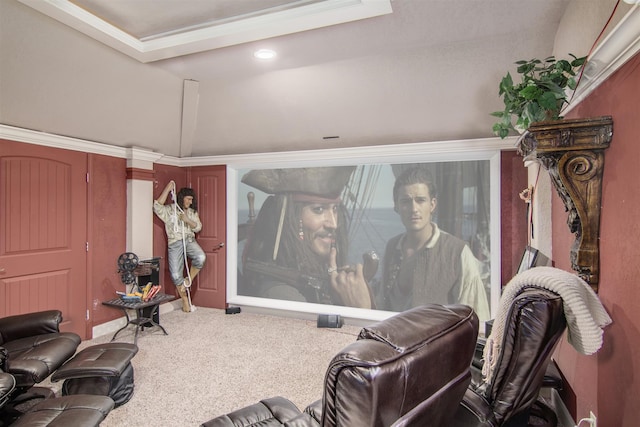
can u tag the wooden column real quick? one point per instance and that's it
(140, 178)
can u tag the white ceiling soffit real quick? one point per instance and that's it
(280, 22)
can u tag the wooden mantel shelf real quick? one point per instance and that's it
(572, 151)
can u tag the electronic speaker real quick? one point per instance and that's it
(232, 310)
(329, 321)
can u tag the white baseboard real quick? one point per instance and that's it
(112, 326)
(108, 327)
(299, 315)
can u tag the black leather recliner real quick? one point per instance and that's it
(533, 327)
(409, 370)
(34, 346)
(66, 411)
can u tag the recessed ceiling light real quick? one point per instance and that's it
(264, 54)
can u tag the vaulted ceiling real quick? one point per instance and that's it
(179, 76)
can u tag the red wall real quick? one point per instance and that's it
(513, 220)
(107, 228)
(107, 223)
(606, 382)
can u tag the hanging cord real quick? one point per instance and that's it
(591, 421)
(593, 46)
(531, 204)
(176, 208)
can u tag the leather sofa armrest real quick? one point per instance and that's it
(315, 410)
(275, 411)
(302, 420)
(29, 324)
(7, 385)
(473, 411)
(3, 359)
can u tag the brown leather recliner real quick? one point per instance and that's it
(34, 346)
(409, 370)
(533, 327)
(67, 411)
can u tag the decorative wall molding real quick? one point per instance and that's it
(29, 136)
(464, 149)
(141, 158)
(469, 147)
(622, 43)
(572, 151)
(212, 35)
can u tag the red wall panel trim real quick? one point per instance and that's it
(140, 174)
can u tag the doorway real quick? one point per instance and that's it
(43, 232)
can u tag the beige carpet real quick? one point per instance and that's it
(212, 363)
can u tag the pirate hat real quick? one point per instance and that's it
(325, 182)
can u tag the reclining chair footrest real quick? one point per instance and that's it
(103, 369)
(70, 411)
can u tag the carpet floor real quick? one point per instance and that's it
(212, 363)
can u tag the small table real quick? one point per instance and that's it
(141, 318)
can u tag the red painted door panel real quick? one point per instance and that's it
(209, 183)
(43, 228)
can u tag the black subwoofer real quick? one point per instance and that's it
(329, 321)
(232, 310)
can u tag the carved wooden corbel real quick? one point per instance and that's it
(572, 151)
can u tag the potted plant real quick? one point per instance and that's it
(540, 96)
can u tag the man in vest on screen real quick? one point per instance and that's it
(425, 264)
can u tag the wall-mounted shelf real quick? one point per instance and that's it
(572, 151)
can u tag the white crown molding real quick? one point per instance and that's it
(141, 157)
(622, 43)
(13, 133)
(163, 46)
(28, 136)
(437, 151)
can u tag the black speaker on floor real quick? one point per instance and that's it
(329, 321)
(232, 310)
